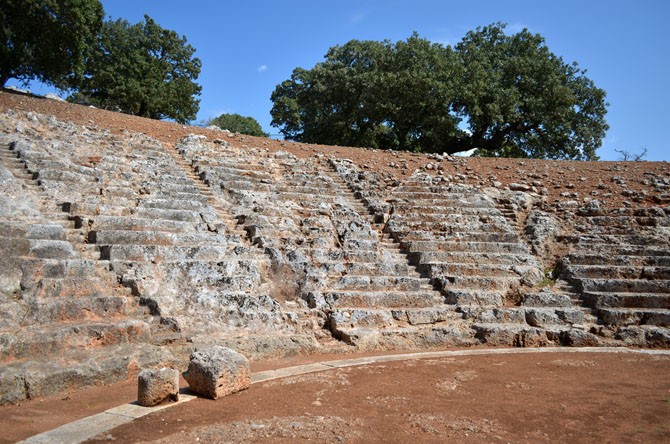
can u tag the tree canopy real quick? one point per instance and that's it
(144, 70)
(47, 40)
(503, 95)
(237, 123)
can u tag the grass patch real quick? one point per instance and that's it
(548, 280)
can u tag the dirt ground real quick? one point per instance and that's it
(519, 398)
(563, 180)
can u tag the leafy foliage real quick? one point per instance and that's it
(239, 124)
(47, 40)
(144, 70)
(504, 95)
(369, 93)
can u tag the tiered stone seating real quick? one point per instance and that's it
(159, 230)
(620, 263)
(307, 221)
(459, 238)
(61, 317)
(120, 253)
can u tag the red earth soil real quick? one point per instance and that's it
(521, 398)
(557, 176)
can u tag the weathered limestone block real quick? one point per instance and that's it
(154, 386)
(217, 372)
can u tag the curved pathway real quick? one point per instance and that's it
(86, 428)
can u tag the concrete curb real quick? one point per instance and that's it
(85, 428)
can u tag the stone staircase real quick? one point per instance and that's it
(61, 315)
(309, 224)
(175, 248)
(457, 237)
(418, 316)
(620, 264)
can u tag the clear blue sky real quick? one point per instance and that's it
(248, 47)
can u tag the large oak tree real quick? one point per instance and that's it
(503, 95)
(47, 40)
(144, 70)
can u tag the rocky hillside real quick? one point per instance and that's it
(129, 243)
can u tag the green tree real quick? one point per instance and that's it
(144, 70)
(521, 100)
(239, 124)
(504, 95)
(47, 40)
(369, 93)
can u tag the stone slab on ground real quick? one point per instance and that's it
(217, 372)
(155, 386)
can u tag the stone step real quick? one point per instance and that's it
(546, 299)
(326, 189)
(463, 257)
(149, 253)
(365, 299)
(414, 209)
(533, 316)
(56, 165)
(618, 230)
(321, 255)
(347, 318)
(521, 335)
(438, 219)
(625, 285)
(168, 214)
(230, 172)
(464, 296)
(634, 244)
(34, 269)
(129, 237)
(485, 270)
(402, 227)
(48, 174)
(239, 185)
(425, 196)
(89, 308)
(634, 316)
(45, 231)
(315, 198)
(471, 236)
(199, 197)
(119, 191)
(287, 232)
(626, 221)
(474, 247)
(235, 162)
(474, 282)
(365, 283)
(385, 267)
(617, 272)
(37, 342)
(70, 287)
(136, 223)
(623, 299)
(405, 338)
(39, 248)
(305, 244)
(633, 261)
(173, 204)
